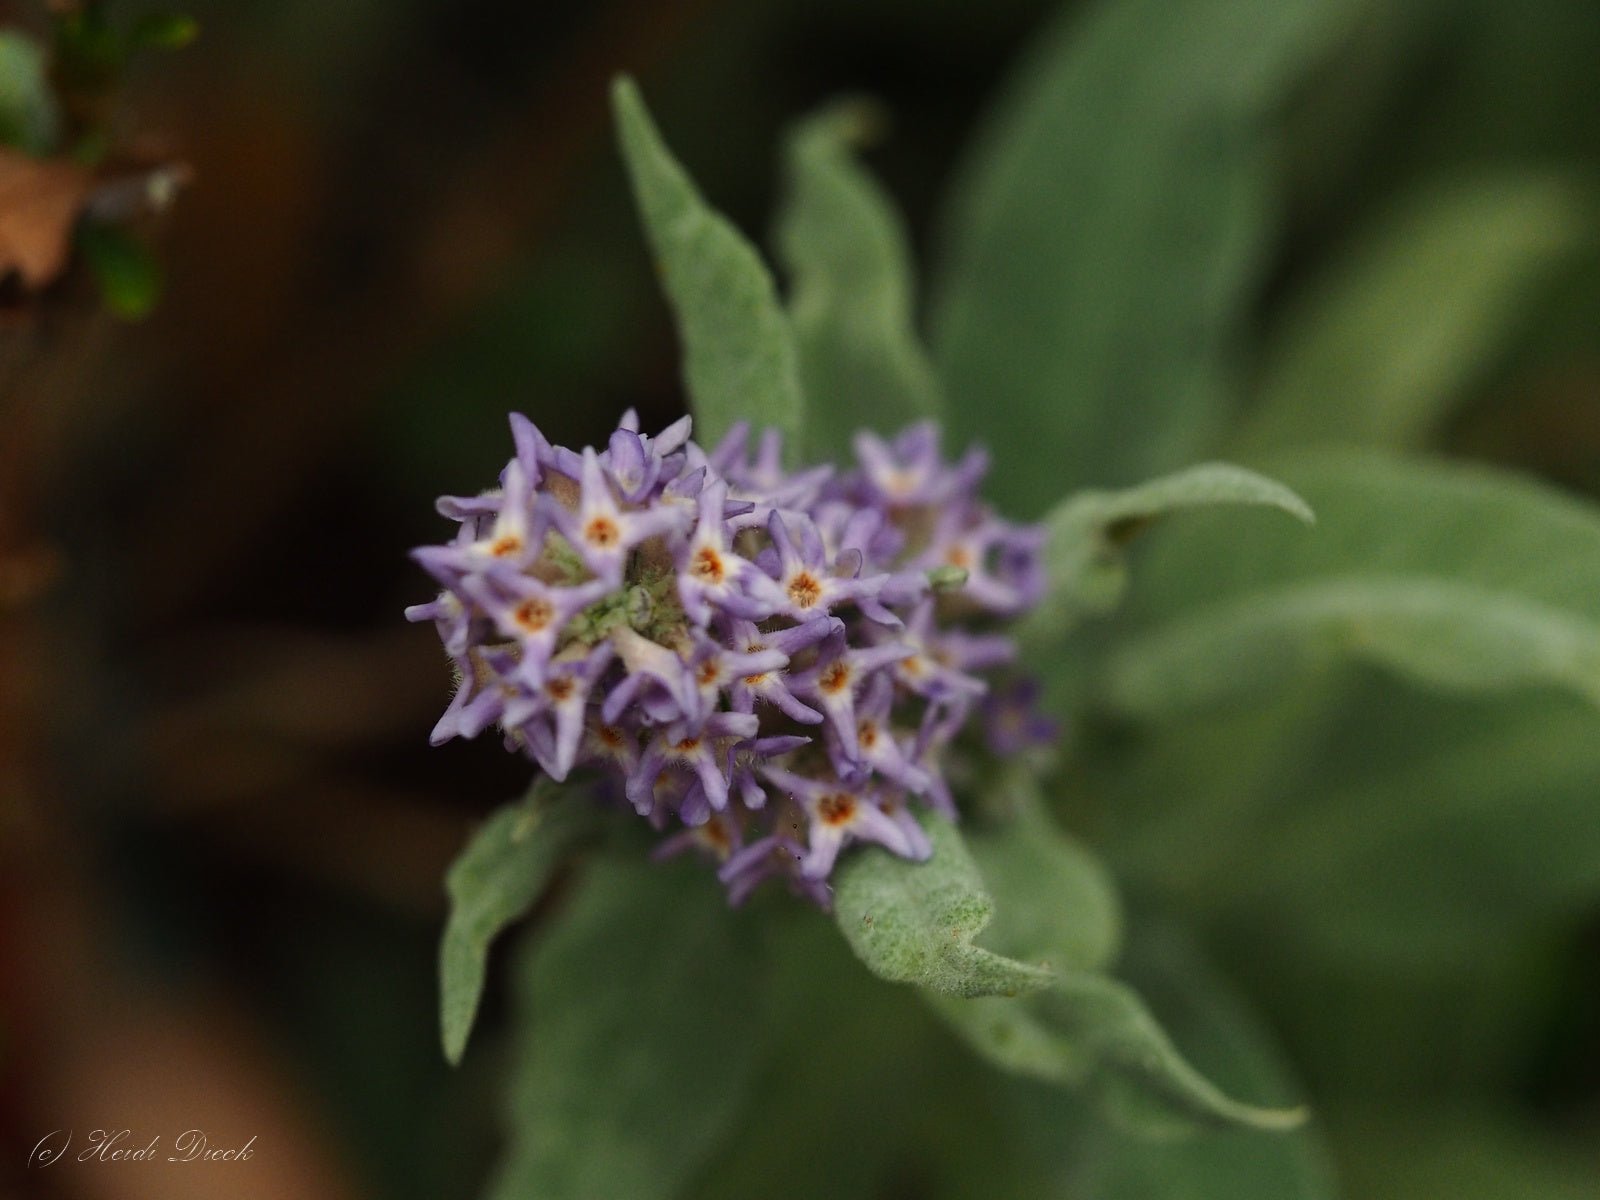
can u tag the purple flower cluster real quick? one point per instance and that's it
(776, 661)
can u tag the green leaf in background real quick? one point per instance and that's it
(1107, 234)
(1462, 1153)
(852, 296)
(1090, 1030)
(1377, 349)
(1425, 829)
(1052, 897)
(1054, 902)
(1088, 533)
(127, 273)
(28, 118)
(1464, 578)
(639, 1019)
(493, 884)
(1225, 1040)
(854, 1072)
(739, 356)
(913, 922)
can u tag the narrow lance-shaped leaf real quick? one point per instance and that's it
(852, 298)
(1052, 896)
(1089, 532)
(1378, 348)
(738, 349)
(494, 883)
(915, 922)
(1088, 1030)
(1229, 1044)
(1107, 234)
(639, 1015)
(1463, 578)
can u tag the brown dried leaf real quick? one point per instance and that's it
(39, 201)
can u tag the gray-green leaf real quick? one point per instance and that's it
(1089, 531)
(739, 357)
(1229, 1044)
(1107, 234)
(915, 922)
(852, 296)
(1377, 350)
(1090, 1030)
(639, 1015)
(1464, 578)
(1052, 897)
(492, 884)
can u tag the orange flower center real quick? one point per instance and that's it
(560, 688)
(837, 809)
(804, 590)
(707, 565)
(505, 545)
(534, 615)
(835, 679)
(602, 532)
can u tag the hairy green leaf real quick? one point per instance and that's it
(1089, 532)
(1378, 348)
(826, 1019)
(1087, 1029)
(915, 922)
(1106, 236)
(640, 1012)
(1052, 897)
(739, 356)
(492, 884)
(1213, 1025)
(852, 295)
(1464, 578)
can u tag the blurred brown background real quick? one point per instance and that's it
(222, 831)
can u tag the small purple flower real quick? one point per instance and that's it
(1013, 721)
(600, 530)
(838, 813)
(754, 657)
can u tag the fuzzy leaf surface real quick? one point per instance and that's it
(639, 1013)
(1085, 556)
(1107, 233)
(492, 884)
(1377, 350)
(1463, 578)
(852, 291)
(915, 923)
(739, 357)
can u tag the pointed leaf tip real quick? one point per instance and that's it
(739, 355)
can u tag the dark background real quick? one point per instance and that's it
(222, 831)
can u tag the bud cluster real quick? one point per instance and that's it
(775, 661)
